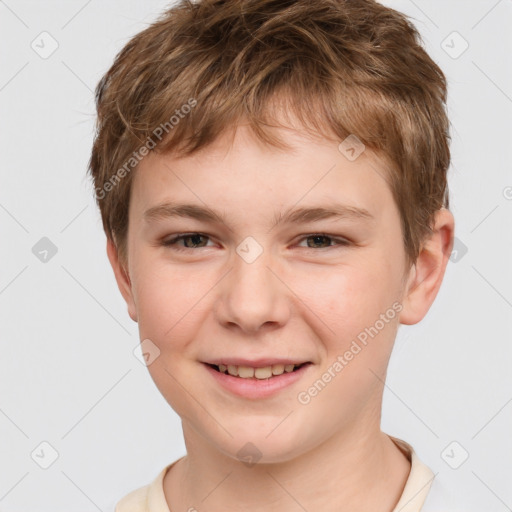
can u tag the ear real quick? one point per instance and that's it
(123, 279)
(426, 275)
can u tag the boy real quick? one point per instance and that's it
(271, 177)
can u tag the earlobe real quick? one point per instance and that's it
(426, 275)
(122, 278)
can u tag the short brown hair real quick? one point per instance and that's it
(341, 67)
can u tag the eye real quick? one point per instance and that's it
(321, 241)
(199, 240)
(191, 241)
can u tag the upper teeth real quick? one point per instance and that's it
(246, 372)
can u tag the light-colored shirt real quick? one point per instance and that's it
(422, 493)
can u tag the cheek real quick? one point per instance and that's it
(168, 300)
(169, 306)
(351, 301)
(356, 293)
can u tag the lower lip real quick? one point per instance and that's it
(257, 388)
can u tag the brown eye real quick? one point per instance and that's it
(190, 241)
(195, 240)
(321, 241)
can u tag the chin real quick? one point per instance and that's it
(251, 447)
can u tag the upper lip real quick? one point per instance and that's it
(255, 363)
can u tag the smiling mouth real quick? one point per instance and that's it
(247, 372)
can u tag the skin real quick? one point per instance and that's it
(304, 298)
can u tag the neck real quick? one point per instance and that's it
(349, 472)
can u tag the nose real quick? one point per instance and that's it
(253, 296)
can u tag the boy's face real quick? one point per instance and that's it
(214, 297)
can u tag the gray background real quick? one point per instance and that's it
(68, 373)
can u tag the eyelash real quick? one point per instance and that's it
(172, 241)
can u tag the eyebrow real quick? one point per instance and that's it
(291, 216)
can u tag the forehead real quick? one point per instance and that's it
(240, 172)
